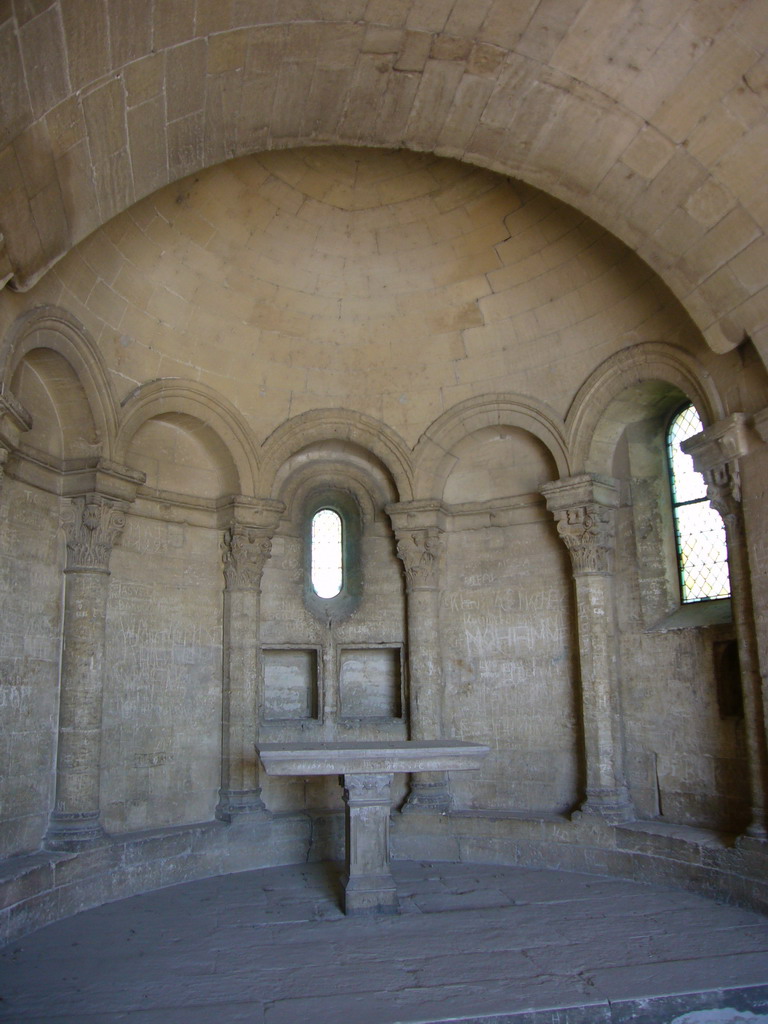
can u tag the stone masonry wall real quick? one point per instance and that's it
(162, 699)
(30, 603)
(424, 330)
(507, 621)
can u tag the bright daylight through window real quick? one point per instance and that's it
(700, 534)
(327, 571)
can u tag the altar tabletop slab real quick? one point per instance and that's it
(363, 757)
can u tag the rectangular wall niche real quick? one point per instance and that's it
(370, 682)
(290, 683)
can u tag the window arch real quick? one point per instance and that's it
(702, 552)
(332, 554)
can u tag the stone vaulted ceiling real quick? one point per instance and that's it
(647, 115)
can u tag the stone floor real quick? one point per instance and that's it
(472, 943)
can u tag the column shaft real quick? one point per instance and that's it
(585, 508)
(419, 546)
(751, 682)
(246, 549)
(95, 526)
(76, 812)
(426, 717)
(240, 791)
(606, 790)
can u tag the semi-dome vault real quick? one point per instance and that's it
(651, 121)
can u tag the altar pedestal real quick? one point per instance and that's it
(367, 770)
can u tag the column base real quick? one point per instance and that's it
(612, 805)
(756, 829)
(239, 803)
(70, 833)
(428, 793)
(370, 894)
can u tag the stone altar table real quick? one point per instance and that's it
(367, 769)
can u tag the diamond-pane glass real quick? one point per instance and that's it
(687, 484)
(701, 543)
(327, 572)
(703, 553)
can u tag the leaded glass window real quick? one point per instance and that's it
(700, 534)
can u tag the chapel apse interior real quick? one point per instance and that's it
(478, 372)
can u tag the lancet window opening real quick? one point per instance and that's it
(702, 551)
(332, 554)
(327, 553)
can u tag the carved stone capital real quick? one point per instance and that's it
(419, 527)
(716, 452)
(94, 525)
(367, 789)
(584, 508)
(245, 552)
(419, 551)
(589, 533)
(724, 441)
(724, 489)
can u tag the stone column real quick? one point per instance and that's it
(95, 523)
(584, 508)
(716, 453)
(246, 548)
(419, 530)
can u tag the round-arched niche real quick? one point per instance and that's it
(497, 462)
(62, 423)
(182, 455)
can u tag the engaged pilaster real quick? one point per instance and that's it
(717, 453)
(419, 529)
(246, 549)
(94, 525)
(584, 508)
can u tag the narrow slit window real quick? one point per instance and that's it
(702, 551)
(327, 564)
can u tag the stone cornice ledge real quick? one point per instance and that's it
(73, 477)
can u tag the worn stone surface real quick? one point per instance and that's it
(157, 636)
(471, 943)
(29, 662)
(422, 262)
